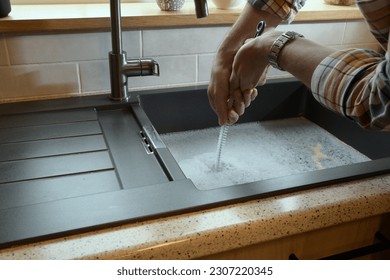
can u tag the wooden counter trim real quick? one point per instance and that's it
(95, 17)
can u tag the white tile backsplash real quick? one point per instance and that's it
(66, 47)
(322, 33)
(38, 80)
(205, 62)
(76, 63)
(183, 41)
(357, 32)
(94, 76)
(174, 71)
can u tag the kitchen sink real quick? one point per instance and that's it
(79, 164)
(288, 117)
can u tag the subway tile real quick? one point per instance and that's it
(321, 33)
(205, 63)
(181, 41)
(185, 56)
(358, 32)
(3, 52)
(28, 49)
(38, 80)
(174, 70)
(94, 76)
(371, 46)
(131, 43)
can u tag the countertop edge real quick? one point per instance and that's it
(263, 229)
(95, 17)
(202, 233)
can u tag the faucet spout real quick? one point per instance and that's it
(120, 67)
(201, 8)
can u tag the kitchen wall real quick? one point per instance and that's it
(71, 64)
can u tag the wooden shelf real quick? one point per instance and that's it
(96, 17)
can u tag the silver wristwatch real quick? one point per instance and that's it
(278, 45)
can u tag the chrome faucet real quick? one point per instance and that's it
(120, 67)
(201, 8)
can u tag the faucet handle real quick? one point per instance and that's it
(149, 67)
(140, 67)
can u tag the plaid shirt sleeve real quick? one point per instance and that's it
(356, 82)
(285, 9)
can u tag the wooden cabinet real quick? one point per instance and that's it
(318, 244)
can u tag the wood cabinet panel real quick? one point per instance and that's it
(317, 244)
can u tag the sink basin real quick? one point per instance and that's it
(80, 164)
(287, 119)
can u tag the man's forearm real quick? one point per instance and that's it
(301, 57)
(245, 28)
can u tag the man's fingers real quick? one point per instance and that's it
(254, 94)
(218, 102)
(249, 96)
(232, 117)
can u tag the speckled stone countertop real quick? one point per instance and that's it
(216, 230)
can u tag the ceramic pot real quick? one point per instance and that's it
(5, 8)
(226, 4)
(170, 5)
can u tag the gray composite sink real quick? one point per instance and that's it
(78, 164)
(286, 106)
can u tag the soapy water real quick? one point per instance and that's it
(257, 151)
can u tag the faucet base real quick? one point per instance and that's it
(120, 68)
(119, 91)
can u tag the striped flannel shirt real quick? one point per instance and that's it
(353, 82)
(285, 9)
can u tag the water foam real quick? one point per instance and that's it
(257, 151)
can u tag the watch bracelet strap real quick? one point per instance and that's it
(278, 45)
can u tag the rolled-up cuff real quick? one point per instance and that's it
(285, 9)
(353, 83)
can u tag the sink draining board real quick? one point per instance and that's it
(63, 171)
(51, 156)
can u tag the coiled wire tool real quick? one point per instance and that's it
(225, 128)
